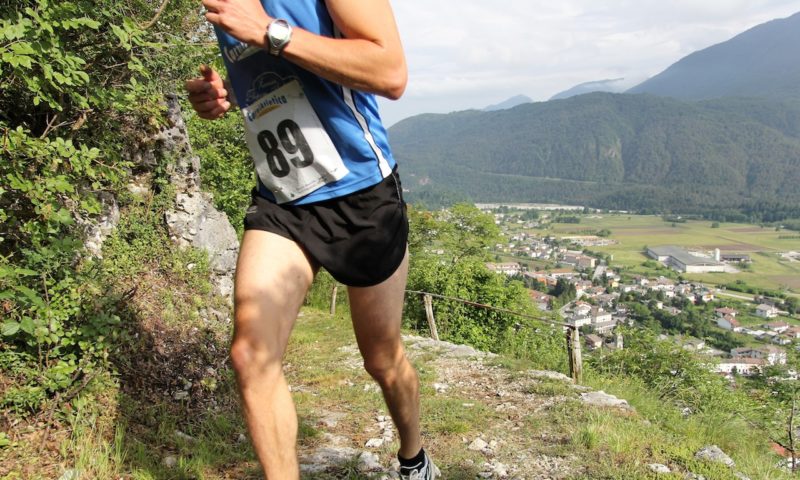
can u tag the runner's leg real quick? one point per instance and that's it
(273, 275)
(377, 312)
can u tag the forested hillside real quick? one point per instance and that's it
(761, 62)
(613, 151)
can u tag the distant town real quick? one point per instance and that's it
(600, 296)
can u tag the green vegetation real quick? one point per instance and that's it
(226, 167)
(726, 69)
(78, 90)
(723, 159)
(448, 254)
(712, 410)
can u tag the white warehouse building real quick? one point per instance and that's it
(683, 261)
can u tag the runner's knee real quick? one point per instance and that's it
(386, 369)
(246, 357)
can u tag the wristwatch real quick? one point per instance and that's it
(279, 33)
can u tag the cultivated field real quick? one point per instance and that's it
(635, 232)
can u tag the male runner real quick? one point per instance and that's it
(304, 73)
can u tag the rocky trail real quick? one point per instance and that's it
(476, 388)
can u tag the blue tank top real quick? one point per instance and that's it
(311, 139)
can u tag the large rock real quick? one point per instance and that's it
(602, 399)
(195, 221)
(713, 453)
(97, 229)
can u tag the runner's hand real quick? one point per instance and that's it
(208, 95)
(245, 20)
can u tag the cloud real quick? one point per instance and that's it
(469, 54)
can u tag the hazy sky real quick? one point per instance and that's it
(470, 54)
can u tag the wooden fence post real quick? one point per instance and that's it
(333, 298)
(575, 358)
(428, 300)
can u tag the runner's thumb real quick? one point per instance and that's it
(208, 73)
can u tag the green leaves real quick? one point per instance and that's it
(74, 92)
(448, 250)
(9, 328)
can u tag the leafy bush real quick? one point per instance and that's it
(77, 89)
(227, 169)
(672, 372)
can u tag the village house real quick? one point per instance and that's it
(600, 315)
(580, 320)
(593, 342)
(607, 300)
(541, 300)
(582, 308)
(722, 312)
(741, 366)
(662, 284)
(542, 278)
(705, 295)
(778, 327)
(753, 332)
(793, 333)
(594, 292)
(772, 355)
(729, 323)
(578, 260)
(508, 268)
(625, 288)
(694, 344)
(606, 327)
(768, 336)
(566, 273)
(686, 291)
(766, 311)
(782, 340)
(602, 321)
(581, 287)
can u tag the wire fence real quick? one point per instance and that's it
(573, 340)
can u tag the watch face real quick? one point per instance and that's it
(279, 32)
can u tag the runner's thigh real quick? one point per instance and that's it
(377, 314)
(273, 275)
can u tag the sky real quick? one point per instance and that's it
(465, 54)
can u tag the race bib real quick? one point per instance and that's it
(293, 153)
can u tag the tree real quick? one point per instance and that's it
(462, 231)
(564, 290)
(463, 236)
(530, 214)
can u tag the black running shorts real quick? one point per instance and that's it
(360, 239)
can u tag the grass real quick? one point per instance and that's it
(115, 435)
(674, 438)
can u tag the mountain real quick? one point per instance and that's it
(510, 103)
(762, 61)
(616, 85)
(629, 152)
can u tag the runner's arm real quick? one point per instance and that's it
(369, 58)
